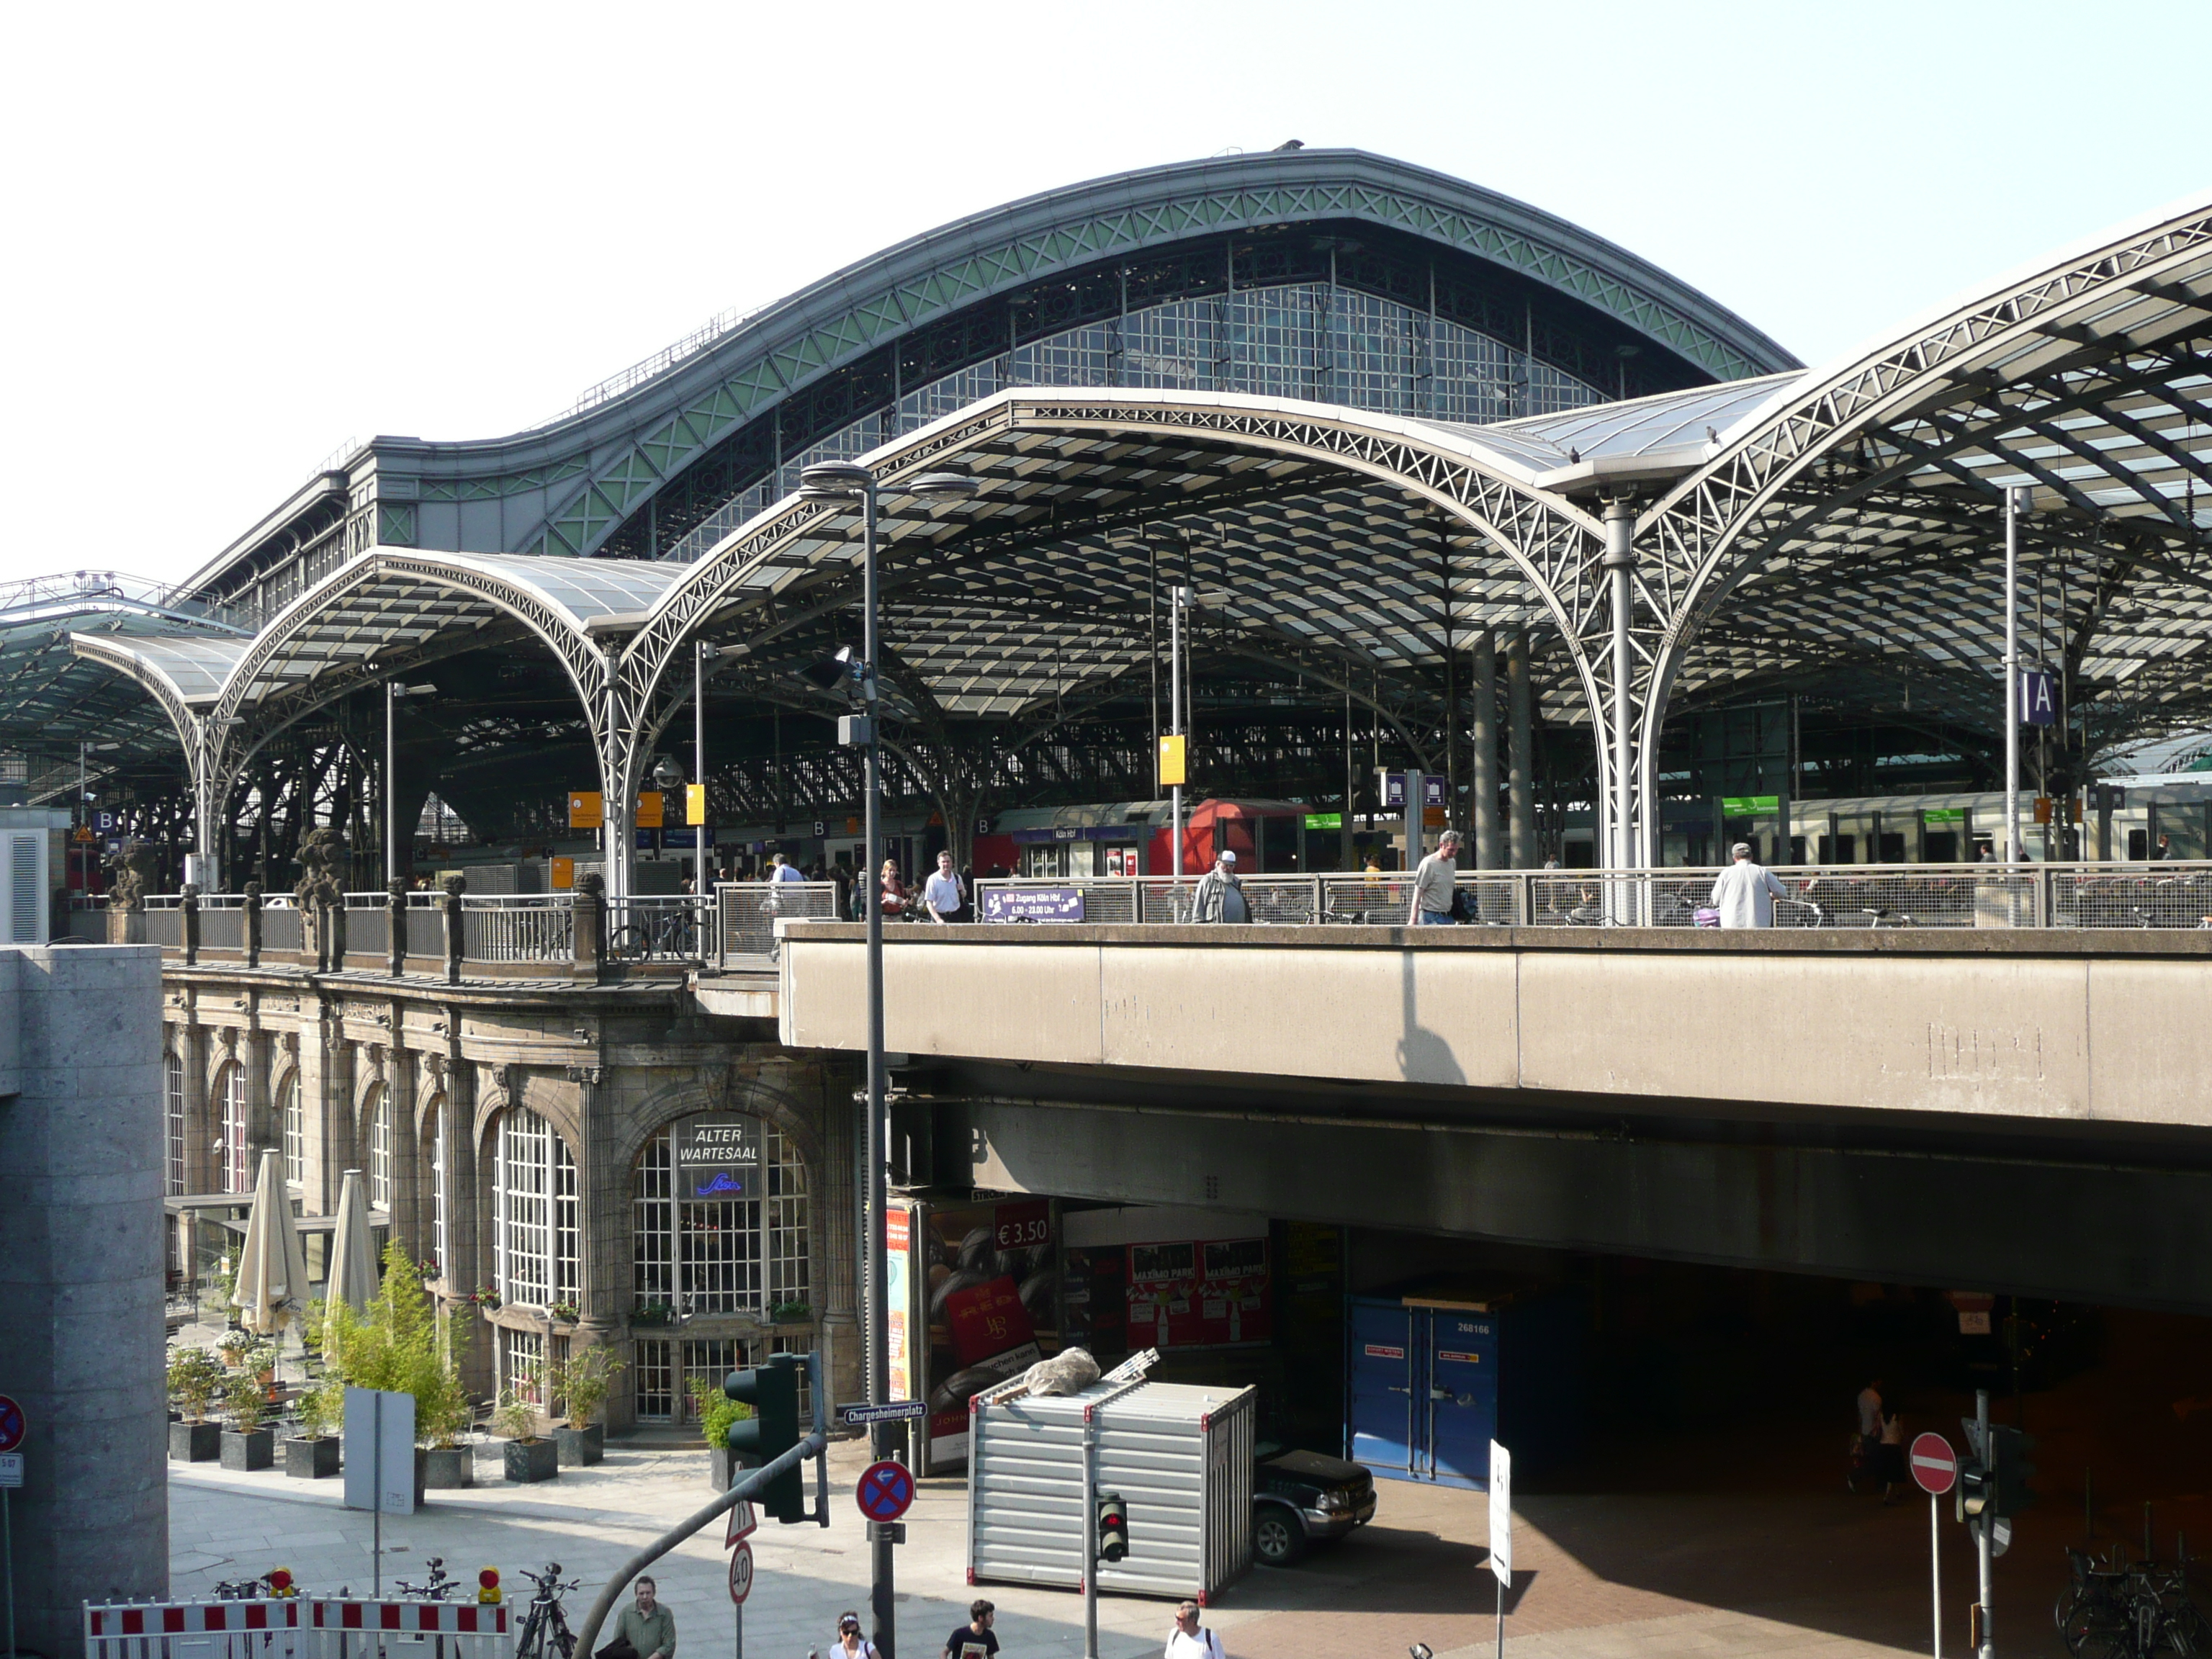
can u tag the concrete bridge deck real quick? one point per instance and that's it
(2093, 1027)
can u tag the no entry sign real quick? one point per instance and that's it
(885, 1491)
(1934, 1464)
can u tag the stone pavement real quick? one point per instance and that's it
(1741, 1575)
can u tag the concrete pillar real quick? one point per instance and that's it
(1521, 777)
(325, 1109)
(263, 1131)
(1483, 781)
(202, 1172)
(81, 1280)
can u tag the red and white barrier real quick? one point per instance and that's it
(297, 1627)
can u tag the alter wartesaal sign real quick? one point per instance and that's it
(717, 1158)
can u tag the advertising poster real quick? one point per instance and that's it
(898, 1290)
(990, 1284)
(1199, 1294)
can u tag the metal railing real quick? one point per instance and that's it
(746, 912)
(512, 927)
(2066, 896)
(655, 927)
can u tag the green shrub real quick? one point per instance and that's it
(196, 1377)
(400, 1344)
(582, 1382)
(246, 1399)
(717, 1410)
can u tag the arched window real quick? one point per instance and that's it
(231, 1149)
(438, 1185)
(295, 1132)
(380, 1147)
(534, 1200)
(720, 1255)
(172, 1098)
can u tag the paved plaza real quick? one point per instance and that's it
(1809, 1573)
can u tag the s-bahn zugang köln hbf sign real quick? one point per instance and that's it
(717, 1158)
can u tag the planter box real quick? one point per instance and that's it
(580, 1446)
(257, 1450)
(446, 1467)
(531, 1461)
(195, 1443)
(312, 1460)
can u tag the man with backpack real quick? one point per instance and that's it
(1190, 1639)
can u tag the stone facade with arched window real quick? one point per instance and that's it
(510, 1137)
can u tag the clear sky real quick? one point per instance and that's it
(239, 235)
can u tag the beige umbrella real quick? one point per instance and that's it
(272, 1268)
(352, 1274)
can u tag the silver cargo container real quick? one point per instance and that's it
(1180, 1456)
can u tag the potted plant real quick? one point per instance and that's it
(485, 1297)
(650, 1313)
(581, 1384)
(564, 1313)
(717, 1410)
(313, 1454)
(400, 1343)
(791, 1313)
(529, 1457)
(245, 1443)
(234, 1345)
(195, 1377)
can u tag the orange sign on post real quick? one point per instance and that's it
(694, 803)
(1171, 761)
(562, 874)
(586, 810)
(648, 810)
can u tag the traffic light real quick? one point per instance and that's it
(772, 1391)
(1113, 1527)
(2010, 1471)
(1973, 1490)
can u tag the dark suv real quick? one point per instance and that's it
(1300, 1497)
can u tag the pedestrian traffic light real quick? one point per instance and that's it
(1113, 1527)
(1973, 1490)
(2010, 1471)
(772, 1391)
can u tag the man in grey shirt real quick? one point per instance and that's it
(1746, 892)
(1432, 884)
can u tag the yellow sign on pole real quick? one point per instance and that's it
(648, 810)
(694, 803)
(1171, 761)
(585, 808)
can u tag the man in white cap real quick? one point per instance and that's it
(1746, 892)
(1220, 896)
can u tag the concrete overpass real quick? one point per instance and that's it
(2020, 1111)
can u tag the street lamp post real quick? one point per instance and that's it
(848, 481)
(394, 691)
(2016, 502)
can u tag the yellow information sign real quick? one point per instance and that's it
(586, 810)
(1171, 761)
(563, 876)
(648, 810)
(694, 803)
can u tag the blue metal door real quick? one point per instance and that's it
(1461, 1350)
(1380, 1398)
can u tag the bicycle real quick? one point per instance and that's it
(546, 1620)
(2118, 1609)
(664, 935)
(439, 1585)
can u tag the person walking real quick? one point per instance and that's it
(782, 869)
(974, 1640)
(1432, 884)
(1890, 1457)
(1746, 891)
(850, 1644)
(942, 894)
(1220, 896)
(891, 892)
(1189, 1639)
(646, 1630)
(1868, 1458)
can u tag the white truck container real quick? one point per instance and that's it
(1179, 1455)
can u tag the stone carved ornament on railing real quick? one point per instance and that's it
(129, 874)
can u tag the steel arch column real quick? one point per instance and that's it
(1556, 546)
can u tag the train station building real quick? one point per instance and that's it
(1407, 506)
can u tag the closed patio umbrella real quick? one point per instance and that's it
(272, 1268)
(352, 1276)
